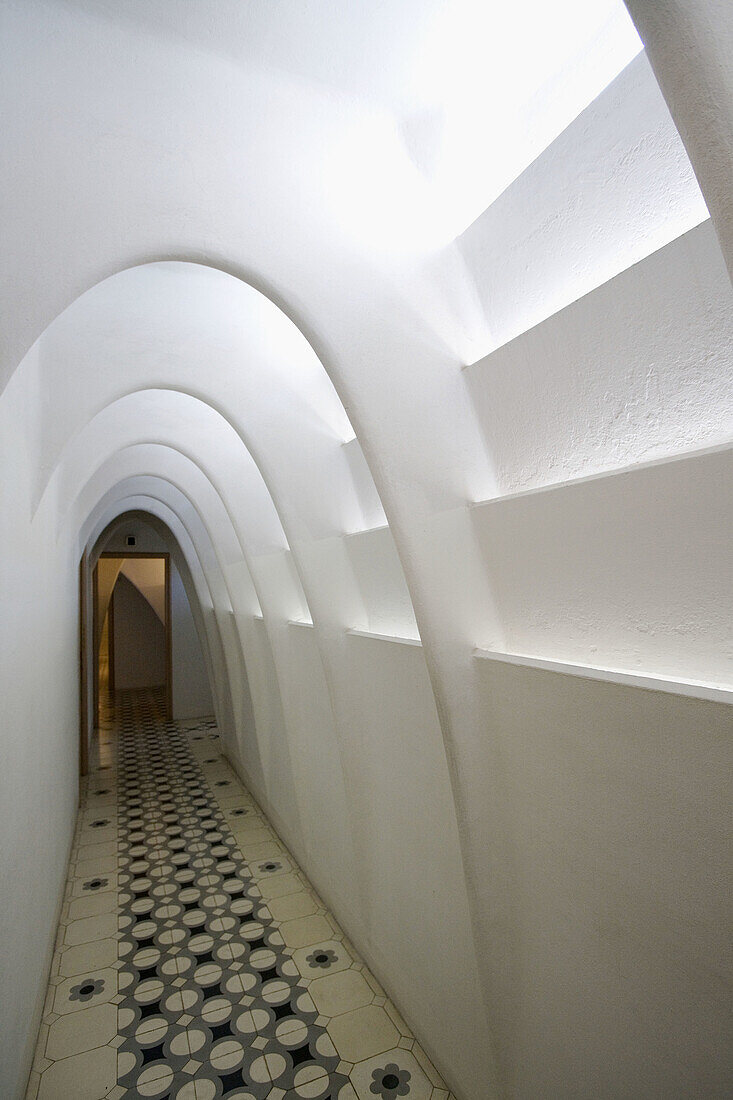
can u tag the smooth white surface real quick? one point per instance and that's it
(226, 307)
(385, 637)
(692, 688)
(616, 802)
(629, 572)
(191, 688)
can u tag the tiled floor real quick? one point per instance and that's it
(193, 959)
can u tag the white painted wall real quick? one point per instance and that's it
(39, 735)
(591, 588)
(618, 177)
(689, 46)
(638, 369)
(191, 691)
(548, 828)
(617, 806)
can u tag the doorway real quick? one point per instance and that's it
(131, 628)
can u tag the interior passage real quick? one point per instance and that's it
(193, 958)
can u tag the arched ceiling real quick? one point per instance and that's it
(184, 129)
(235, 298)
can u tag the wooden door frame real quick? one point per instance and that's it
(111, 644)
(95, 645)
(168, 626)
(83, 671)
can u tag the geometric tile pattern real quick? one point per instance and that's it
(210, 997)
(193, 958)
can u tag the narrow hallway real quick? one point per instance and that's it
(366, 382)
(193, 960)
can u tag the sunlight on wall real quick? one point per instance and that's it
(491, 87)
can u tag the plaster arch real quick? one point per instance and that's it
(261, 534)
(116, 502)
(179, 505)
(340, 625)
(478, 574)
(399, 370)
(688, 45)
(230, 569)
(230, 687)
(276, 734)
(166, 321)
(135, 460)
(237, 576)
(337, 626)
(175, 418)
(307, 530)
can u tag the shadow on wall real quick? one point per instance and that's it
(139, 639)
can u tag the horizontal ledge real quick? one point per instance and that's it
(367, 530)
(385, 637)
(259, 615)
(603, 475)
(597, 291)
(290, 622)
(696, 689)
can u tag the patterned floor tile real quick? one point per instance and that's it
(194, 960)
(195, 938)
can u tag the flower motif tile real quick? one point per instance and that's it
(389, 1076)
(322, 959)
(389, 1081)
(326, 957)
(96, 883)
(86, 989)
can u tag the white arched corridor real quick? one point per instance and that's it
(405, 331)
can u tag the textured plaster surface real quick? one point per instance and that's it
(219, 316)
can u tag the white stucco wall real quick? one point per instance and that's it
(191, 690)
(228, 310)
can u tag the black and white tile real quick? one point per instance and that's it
(193, 959)
(211, 999)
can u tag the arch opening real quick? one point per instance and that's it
(138, 630)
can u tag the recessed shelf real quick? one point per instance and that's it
(673, 685)
(299, 622)
(367, 530)
(385, 637)
(258, 615)
(602, 475)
